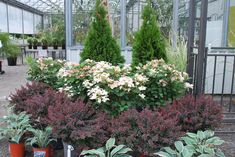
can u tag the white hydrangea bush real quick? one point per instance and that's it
(117, 88)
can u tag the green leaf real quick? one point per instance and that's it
(192, 135)
(179, 146)
(120, 150)
(219, 153)
(110, 143)
(169, 150)
(163, 154)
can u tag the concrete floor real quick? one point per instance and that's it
(13, 78)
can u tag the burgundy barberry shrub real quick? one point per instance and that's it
(18, 99)
(78, 124)
(201, 113)
(35, 99)
(146, 131)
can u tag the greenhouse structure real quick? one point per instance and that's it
(117, 78)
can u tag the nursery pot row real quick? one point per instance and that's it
(18, 150)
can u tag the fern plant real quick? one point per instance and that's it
(109, 150)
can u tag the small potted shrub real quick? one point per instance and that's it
(40, 141)
(35, 43)
(44, 43)
(55, 43)
(8, 49)
(13, 128)
(11, 51)
(62, 43)
(30, 42)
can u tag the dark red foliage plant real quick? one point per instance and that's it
(79, 124)
(201, 113)
(146, 131)
(18, 99)
(35, 99)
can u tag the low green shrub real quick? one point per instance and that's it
(201, 144)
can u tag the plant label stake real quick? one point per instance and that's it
(69, 150)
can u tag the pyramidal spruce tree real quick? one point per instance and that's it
(148, 43)
(99, 43)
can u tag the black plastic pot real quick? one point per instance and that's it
(55, 47)
(30, 46)
(35, 47)
(63, 47)
(44, 47)
(11, 61)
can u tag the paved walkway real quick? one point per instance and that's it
(13, 78)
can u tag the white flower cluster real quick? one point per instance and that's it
(101, 78)
(98, 94)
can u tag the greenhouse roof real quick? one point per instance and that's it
(52, 6)
(45, 5)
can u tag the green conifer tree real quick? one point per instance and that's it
(148, 43)
(99, 43)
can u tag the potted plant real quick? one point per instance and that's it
(13, 128)
(44, 43)
(30, 42)
(55, 43)
(62, 42)
(41, 140)
(35, 43)
(11, 51)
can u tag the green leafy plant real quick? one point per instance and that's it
(30, 41)
(149, 43)
(55, 42)
(109, 150)
(177, 56)
(35, 41)
(41, 138)
(201, 144)
(12, 50)
(8, 49)
(14, 127)
(99, 44)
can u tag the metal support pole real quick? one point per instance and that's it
(138, 19)
(225, 22)
(68, 23)
(8, 29)
(190, 44)
(201, 47)
(23, 25)
(123, 24)
(175, 23)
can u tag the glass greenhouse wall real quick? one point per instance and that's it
(18, 21)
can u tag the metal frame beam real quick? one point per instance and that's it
(18, 4)
(201, 47)
(175, 23)
(68, 22)
(123, 24)
(190, 44)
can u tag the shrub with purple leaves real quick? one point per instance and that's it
(145, 131)
(193, 114)
(79, 124)
(18, 99)
(35, 99)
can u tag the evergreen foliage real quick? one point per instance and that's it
(99, 44)
(148, 43)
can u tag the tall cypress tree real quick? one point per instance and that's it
(99, 44)
(148, 43)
